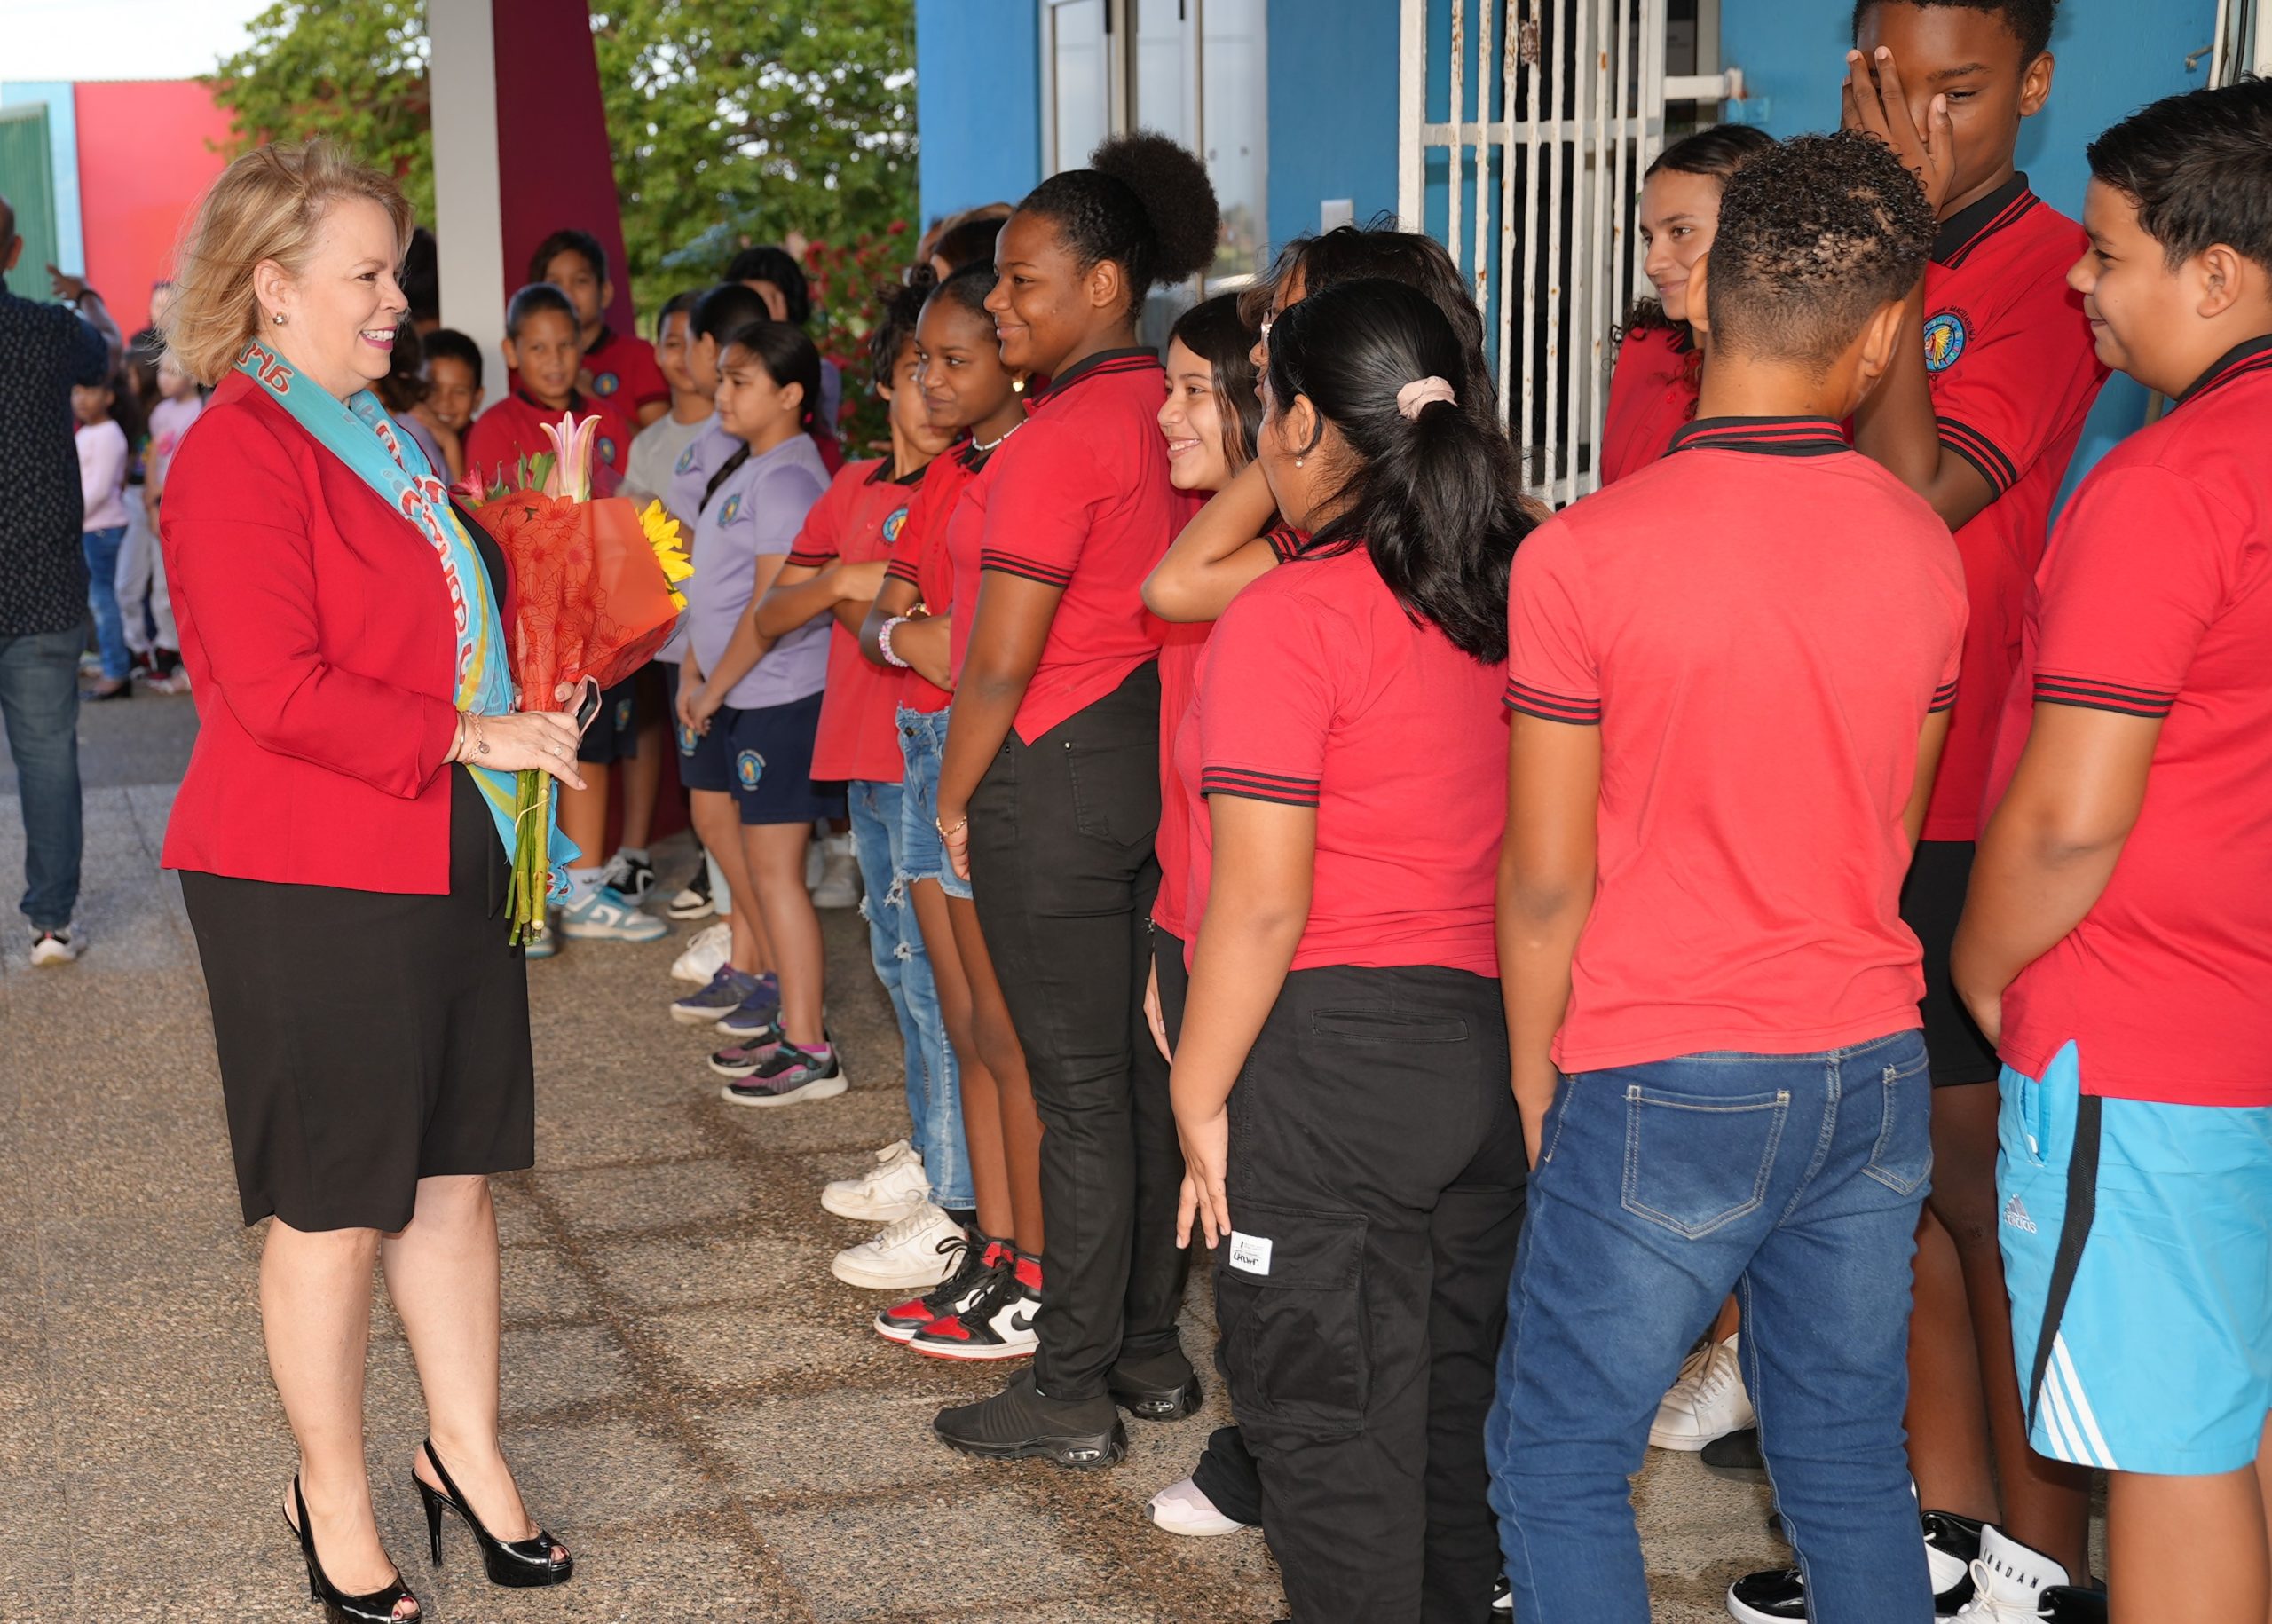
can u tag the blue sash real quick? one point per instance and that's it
(356, 431)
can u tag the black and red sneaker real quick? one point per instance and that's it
(997, 1325)
(969, 1276)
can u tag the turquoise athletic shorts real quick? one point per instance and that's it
(2137, 1242)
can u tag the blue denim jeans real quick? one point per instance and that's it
(101, 548)
(1794, 1179)
(39, 707)
(896, 944)
(923, 741)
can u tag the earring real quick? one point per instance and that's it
(277, 317)
(1017, 386)
(1298, 462)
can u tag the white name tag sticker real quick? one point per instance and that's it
(1249, 1254)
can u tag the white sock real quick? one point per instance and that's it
(721, 894)
(637, 854)
(581, 884)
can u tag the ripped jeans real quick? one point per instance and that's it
(895, 945)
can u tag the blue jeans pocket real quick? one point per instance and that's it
(1696, 1161)
(1903, 1159)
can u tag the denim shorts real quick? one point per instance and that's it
(923, 740)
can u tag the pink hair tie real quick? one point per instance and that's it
(1421, 393)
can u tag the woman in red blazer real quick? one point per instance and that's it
(341, 861)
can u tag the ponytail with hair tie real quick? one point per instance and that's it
(1422, 393)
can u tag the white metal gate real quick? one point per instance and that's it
(1552, 108)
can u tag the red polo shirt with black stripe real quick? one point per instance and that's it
(1651, 395)
(1181, 645)
(1078, 498)
(862, 517)
(2154, 601)
(2013, 371)
(1319, 689)
(1759, 625)
(514, 429)
(922, 560)
(625, 372)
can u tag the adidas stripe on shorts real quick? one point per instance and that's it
(2137, 1242)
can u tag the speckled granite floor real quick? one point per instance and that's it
(693, 1403)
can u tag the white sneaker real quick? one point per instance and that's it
(918, 1250)
(1707, 1401)
(1183, 1507)
(2008, 1580)
(604, 914)
(839, 885)
(58, 947)
(886, 1192)
(709, 950)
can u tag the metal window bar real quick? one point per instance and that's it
(1551, 109)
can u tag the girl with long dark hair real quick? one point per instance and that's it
(1362, 1183)
(983, 1309)
(1653, 386)
(1049, 791)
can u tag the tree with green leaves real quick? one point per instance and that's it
(731, 123)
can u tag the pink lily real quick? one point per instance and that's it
(572, 441)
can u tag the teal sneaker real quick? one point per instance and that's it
(604, 914)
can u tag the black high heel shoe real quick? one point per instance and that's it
(524, 1564)
(338, 1607)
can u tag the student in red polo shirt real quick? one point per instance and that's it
(544, 347)
(835, 568)
(619, 368)
(2117, 942)
(1653, 387)
(1731, 674)
(985, 1308)
(1049, 794)
(1980, 416)
(1362, 1182)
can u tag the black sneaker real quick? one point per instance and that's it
(1020, 1424)
(1161, 1388)
(962, 1287)
(1950, 1543)
(1503, 1597)
(2070, 1604)
(1735, 1455)
(634, 876)
(693, 900)
(791, 1077)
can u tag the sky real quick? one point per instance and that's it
(119, 39)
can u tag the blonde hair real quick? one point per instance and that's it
(268, 204)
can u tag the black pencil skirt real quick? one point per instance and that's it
(368, 1039)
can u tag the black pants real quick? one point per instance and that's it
(1062, 875)
(1376, 1185)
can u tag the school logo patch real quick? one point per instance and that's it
(606, 443)
(605, 383)
(1945, 340)
(894, 526)
(749, 766)
(688, 740)
(623, 715)
(685, 464)
(731, 510)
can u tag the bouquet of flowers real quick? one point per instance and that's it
(592, 589)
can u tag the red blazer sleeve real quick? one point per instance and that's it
(239, 561)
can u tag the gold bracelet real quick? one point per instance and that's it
(946, 833)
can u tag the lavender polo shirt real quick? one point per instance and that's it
(759, 508)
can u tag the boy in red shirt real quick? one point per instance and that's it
(1731, 674)
(2118, 941)
(544, 348)
(619, 368)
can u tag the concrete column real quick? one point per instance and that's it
(468, 215)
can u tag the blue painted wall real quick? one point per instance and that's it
(1333, 90)
(2114, 56)
(977, 101)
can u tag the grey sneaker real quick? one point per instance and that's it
(791, 1077)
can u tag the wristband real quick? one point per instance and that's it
(883, 642)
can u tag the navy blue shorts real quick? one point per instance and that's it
(614, 733)
(764, 758)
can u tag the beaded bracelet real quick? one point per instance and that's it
(883, 642)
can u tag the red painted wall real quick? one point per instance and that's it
(553, 165)
(147, 150)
